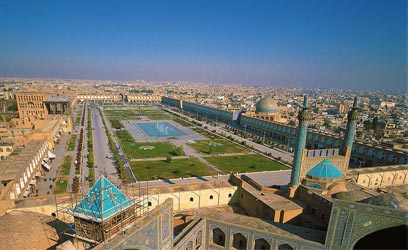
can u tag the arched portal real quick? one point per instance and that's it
(219, 237)
(285, 247)
(199, 239)
(189, 245)
(262, 244)
(239, 241)
(396, 238)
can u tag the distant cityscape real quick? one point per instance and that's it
(179, 165)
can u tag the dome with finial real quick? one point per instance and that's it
(266, 105)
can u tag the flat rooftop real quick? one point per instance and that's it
(58, 99)
(28, 230)
(224, 215)
(377, 169)
(273, 200)
(177, 187)
(15, 164)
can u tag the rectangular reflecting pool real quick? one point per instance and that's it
(159, 129)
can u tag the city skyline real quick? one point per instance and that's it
(344, 44)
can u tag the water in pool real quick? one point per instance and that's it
(160, 129)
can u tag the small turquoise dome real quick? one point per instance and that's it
(266, 105)
(325, 169)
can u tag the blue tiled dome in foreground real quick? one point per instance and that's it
(325, 169)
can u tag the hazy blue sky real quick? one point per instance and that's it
(345, 44)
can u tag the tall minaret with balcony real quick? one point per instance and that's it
(352, 118)
(303, 117)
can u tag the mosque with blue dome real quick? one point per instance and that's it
(267, 109)
(318, 209)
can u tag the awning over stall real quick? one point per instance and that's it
(26, 193)
(45, 165)
(51, 155)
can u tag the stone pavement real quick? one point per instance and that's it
(261, 148)
(129, 173)
(48, 180)
(104, 165)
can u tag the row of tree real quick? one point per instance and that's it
(112, 145)
(91, 163)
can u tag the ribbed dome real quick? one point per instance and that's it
(325, 169)
(266, 105)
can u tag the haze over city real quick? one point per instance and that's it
(309, 44)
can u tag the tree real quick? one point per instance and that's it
(368, 125)
(12, 107)
(377, 126)
(179, 150)
(75, 184)
(169, 159)
(327, 123)
(210, 148)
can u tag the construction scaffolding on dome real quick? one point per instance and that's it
(103, 212)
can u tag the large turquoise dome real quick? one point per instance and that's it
(326, 170)
(266, 105)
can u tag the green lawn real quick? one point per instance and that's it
(71, 143)
(124, 117)
(107, 106)
(121, 112)
(65, 166)
(136, 150)
(116, 123)
(217, 146)
(182, 122)
(146, 107)
(61, 185)
(79, 115)
(159, 117)
(148, 111)
(78, 119)
(205, 133)
(244, 163)
(153, 170)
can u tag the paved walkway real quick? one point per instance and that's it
(104, 162)
(193, 153)
(46, 186)
(129, 173)
(187, 156)
(84, 185)
(261, 148)
(77, 131)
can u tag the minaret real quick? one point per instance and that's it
(352, 118)
(303, 117)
